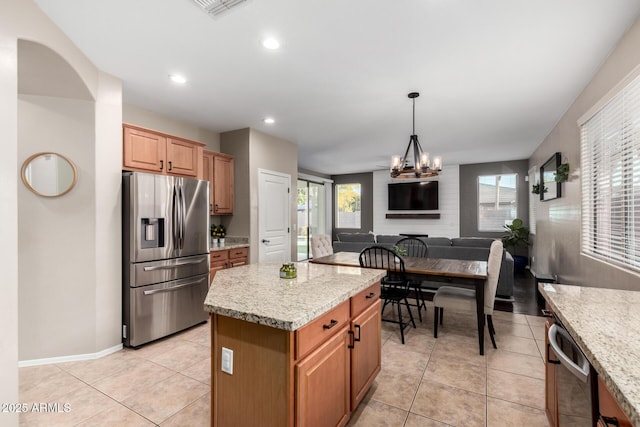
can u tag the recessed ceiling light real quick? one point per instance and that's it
(269, 120)
(271, 43)
(177, 78)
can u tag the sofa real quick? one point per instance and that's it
(466, 248)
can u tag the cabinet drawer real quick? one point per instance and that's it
(238, 253)
(364, 299)
(217, 256)
(310, 336)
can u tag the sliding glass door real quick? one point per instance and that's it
(311, 215)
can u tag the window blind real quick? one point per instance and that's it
(610, 155)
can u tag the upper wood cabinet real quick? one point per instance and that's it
(218, 169)
(146, 150)
(207, 174)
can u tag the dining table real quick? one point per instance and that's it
(453, 272)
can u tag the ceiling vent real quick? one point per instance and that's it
(217, 7)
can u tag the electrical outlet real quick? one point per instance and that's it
(227, 360)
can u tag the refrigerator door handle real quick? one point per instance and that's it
(183, 221)
(175, 218)
(169, 267)
(173, 288)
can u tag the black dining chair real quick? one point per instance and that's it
(394, 286)
(414, 247)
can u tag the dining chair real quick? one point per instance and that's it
(321, 245)
(394, 286)
(460, 299)
(414, 247)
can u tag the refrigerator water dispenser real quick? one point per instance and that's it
(152, 230)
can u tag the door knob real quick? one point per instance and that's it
(265, 241)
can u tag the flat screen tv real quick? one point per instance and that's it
(413, 196)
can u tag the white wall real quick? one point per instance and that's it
(56, 243)
(151, 120)
(449, 203)
(8, 214)
(22, 19)
(93, 136)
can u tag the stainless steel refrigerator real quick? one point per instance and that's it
(165, 268)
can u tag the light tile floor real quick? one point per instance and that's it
(426, 382)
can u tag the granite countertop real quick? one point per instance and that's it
(606, 325)
(257, 294)
(228, 246)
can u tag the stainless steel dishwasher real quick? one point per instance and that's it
(575, 380)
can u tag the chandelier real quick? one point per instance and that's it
(417, 165)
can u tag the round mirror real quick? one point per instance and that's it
(49, 174)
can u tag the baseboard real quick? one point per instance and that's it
(71, 358)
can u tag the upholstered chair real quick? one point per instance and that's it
(321, 245)
(461, 299)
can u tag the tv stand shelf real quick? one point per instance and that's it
(413, 216)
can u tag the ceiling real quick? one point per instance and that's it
(495, 76)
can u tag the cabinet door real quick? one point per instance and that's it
(207, 165)
(609, 409)
(366, 352)
(143, 150)
(550, 395)
(322, 384)
(223, 185)
(182, 157)
(238, 257)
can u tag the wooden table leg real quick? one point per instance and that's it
(480, 313)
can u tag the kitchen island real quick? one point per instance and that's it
(605, 323)
(292, 352)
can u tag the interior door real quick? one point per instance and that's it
(273, 225)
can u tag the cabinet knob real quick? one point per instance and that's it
(170, 167)
(161, 164)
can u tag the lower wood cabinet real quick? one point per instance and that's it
(322, 384)
(228, 258)
(366, 352)
(611, 414)
(313, 377)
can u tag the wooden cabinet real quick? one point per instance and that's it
(366, 352)
(207, 174)
(183, 157)
(218, 170)
(226, 258)
(550, 394)
(150, 151)
(315, 376)
(238, 257)
(143, 150)
(218, 260)
(322, 384)
(222, 184)
(611, 414)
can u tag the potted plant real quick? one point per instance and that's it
(517, 235)
(562, 173)
(218, 232)
(536, 188)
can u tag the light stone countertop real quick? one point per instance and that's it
(257, 294)
(228, 246)
(606, 325)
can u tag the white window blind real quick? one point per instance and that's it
(610, 151)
